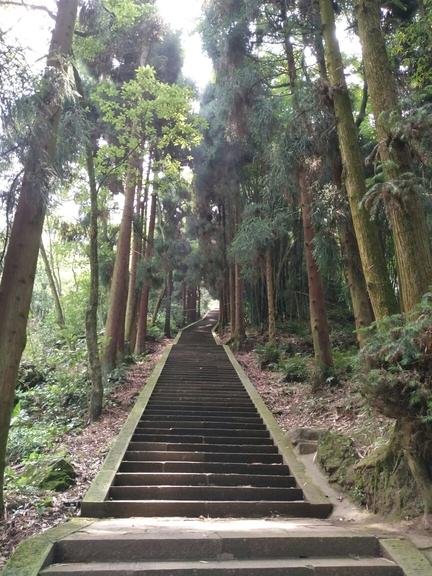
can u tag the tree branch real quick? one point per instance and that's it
(22, 4)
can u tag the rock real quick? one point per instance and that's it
(298, 435)
(53, 472)
(336, 455)
(29, 376)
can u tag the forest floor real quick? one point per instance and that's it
(32, 513)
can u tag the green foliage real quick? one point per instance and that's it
(296, 368)
(269, 354)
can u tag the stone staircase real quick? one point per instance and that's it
(200, 443)
(201, 447)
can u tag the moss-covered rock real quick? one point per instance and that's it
(50, 473)
(336, 456)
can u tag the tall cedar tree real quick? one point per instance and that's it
(16, 286)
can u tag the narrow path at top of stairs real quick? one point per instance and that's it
(201, 448)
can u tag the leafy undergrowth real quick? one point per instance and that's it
(338, 407)
(30, 511)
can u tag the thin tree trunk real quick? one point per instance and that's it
(378, 284)
(53, 288)
(198, 302)
(96, 395)
(114, 328)
(158, 305)
(405, 210)
(360, 301)
(239, 334)
(143, 304)
(169, 287)
(184, 299)
(270, 296)
(317, 308)
(132, 319)
(16, 286)
(137, 229)
(232, 305)
(362, 309)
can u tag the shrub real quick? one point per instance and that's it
(269, 354)
(296, 368)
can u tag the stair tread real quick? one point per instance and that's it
(204, 565)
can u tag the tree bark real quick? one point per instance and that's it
(96, 395)
(138, 251)
(232, 306)
(158, 304)
(378, 284)
(53, 287)
(169, 287)
(16, 286)
(114, 328)
(144, 298)
(239, 334)
(270, 296)
(317, 308)
(405, 209)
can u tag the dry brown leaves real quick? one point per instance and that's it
(34, 513)
(338, 408)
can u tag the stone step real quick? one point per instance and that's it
(216, 412)
(199, 447)
(279, 567)
(205, 468)
(199, 395)
(189, 456)
(171, 438)
(211, 434)
(212, 493)
(178, 545)
(201, 479)
(209, 421)
(197, 508)
(219, 405)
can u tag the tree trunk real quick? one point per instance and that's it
(239, 334)
(96, 395)
(53, 288)
(158, 305)
(137, 229)
(405, 209)
(139, 244)
(198, 302)
(270, 296)
(184, 299)
(21, 257)
(317, 308)
(232, 305)
(362, 309)
(169, 287)
(114, 328)
(143, 304)
(378, 284)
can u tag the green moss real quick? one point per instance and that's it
(50, 473)
(336, 455)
